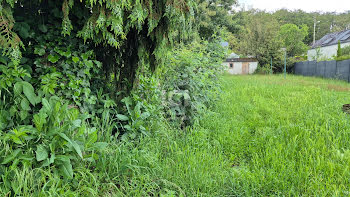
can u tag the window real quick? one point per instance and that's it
(231, 65)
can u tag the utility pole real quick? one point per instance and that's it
(315, 22)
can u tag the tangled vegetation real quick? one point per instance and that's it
(121, 98)
(78, 77)
(121, 33)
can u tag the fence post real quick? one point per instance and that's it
(271, 66)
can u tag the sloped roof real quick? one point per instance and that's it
(224, 44)
(233, 55)
(332, 39)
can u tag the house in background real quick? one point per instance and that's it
(240, 66)
(327, 46)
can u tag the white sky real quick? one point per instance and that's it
(306, 5)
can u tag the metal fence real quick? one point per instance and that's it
(327, 69)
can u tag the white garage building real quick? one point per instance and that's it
(241, 66)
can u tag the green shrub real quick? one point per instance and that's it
(190, 79)
(339, 50)
(346, 50)
(266, 69)
(341, 58)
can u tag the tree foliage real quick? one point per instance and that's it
(339, 50)
(260, 38)
(292, 37)
(123, 33)
(215, 16)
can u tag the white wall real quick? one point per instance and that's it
(237, 67)
(326, 52)
(252, 67)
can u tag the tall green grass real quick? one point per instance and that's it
(284, 136)
(266, 136)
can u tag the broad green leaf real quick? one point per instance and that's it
(66, 166)
(18, 88)
(26, 159)
(39, 120)
(52, 158)
(62, 158)
(11, 157)
(128, 127)
(77, 123)
(16, 139)
(41, 153)
(122, 117)
(98, 64)
(25, 104)
(98, 146)
(145, 115)
(43, 28)
(28, 91)
(92, 138)
(73, 143)
(137, 110)
(66, 54)
(39, 51)
(89, 64)
(186, 96)
(23, 114)
(75, 59)
(53, 58)
(46, 104)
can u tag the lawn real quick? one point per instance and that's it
(283, 136)
(266, 136)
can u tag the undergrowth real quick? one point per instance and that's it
(66, 136)
(265, 136)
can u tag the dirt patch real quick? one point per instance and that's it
(338, 88)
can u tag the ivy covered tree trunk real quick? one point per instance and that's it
(122, 33)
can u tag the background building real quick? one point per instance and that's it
(240, 66)
(327, 46)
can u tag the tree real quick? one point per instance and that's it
(292, 37)
(297, 17)
(122, 33)
(213, 16)
(339, 51)
(260, 38)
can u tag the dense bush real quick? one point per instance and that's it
(190, 79)
(59, 121)
(121, 33)
(345, 50)
(345, 54)
(264, 70)
(78, 77)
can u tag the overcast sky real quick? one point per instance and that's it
(306, 5)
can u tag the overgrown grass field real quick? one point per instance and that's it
(282, 136)
(267, 136)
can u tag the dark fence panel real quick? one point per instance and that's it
(298, 68)
(311, 68)
(331, 69)
(320, 70)
(343, 69)
(327, 69)
(304, 68)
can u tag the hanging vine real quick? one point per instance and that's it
(119, 29)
